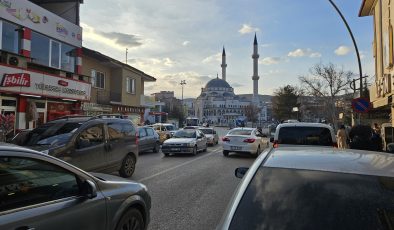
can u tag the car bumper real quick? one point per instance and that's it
(177, 149)
(240, 148)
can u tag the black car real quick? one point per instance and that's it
(314, 188)
(148, 139)
(38, 191)
(90, 143)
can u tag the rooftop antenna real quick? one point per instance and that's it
(126, 54)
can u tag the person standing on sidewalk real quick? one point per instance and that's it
(341, 137)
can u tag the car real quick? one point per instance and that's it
(211, 135)
(38, 191)
(148, 139)
(20, 137)
(303, 133)
(164, 130)
(90, 143)
(185, 141)
(244, 140)
(313, 188)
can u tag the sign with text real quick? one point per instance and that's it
(34, 83)
(30, 15)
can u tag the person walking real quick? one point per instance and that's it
(341, 137)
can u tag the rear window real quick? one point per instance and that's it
(305, 136)
(302, 199)
(240, 132)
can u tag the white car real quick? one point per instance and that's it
(211, 135)
(303, 133)
(244, 140)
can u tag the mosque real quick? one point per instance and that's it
(218, 103)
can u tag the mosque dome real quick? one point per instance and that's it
(217, 83)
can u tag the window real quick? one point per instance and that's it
(128, 129)
(141, 133)
(305, 136)
(98, 79)
(91, 136)
(150, 132)
(130, 84)
(68, 58)
(10, 38)
(55, 54)
(279, 198)
(39, 49)
(25, 182)
(115, 131)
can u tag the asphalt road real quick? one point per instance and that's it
(189, 192)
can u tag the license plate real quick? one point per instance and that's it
(175, 149)
(235, 148)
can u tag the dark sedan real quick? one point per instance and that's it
(314, 188)
(38, 191)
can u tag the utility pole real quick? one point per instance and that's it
(126, 54)
(183, 82)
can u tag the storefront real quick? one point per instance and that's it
(135, 114)
(36, 97)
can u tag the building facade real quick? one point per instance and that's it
(40, 63)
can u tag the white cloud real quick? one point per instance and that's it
(185, 43)
(342, 51)
(213, 58)
(304, 53)
(247, 29)
(146, 63)
(270, 60)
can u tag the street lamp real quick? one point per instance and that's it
(183, 82)
(354, 43)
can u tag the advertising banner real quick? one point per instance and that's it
(28, 82)
(28, 14)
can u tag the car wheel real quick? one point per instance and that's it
(128, 166)
(225, 153)
(258, 151)
(166, 154)
(156, 149)
(131, 220)
(195, 150)
(206, 148)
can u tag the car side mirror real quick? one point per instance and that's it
(272, 140)
(89, 189)
(240, 172)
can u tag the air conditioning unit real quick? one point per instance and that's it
(12, 60)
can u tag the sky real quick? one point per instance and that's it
(176, 40)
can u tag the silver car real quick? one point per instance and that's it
(211, 135)
(185, 141)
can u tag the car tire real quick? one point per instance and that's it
(166, 154)
(225, 153)
(156, 149)
(195, 150)
(131, 219)
(258, 151)
(128, 166)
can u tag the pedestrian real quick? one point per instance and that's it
(341, 137)
(376, 128)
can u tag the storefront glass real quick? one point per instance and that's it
(10, 38)
(39, 49)
(67, 59)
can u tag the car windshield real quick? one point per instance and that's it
(303, 199)
(305, 136)
(189, 133)
(169, 127)
(245, 132)
(53, 134)
(207, 131)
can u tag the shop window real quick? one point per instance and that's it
(55, 54)
(6, 102)
(68, 58)
(39, 49)
(10, 37)
(98, 79)
(130, 84)
(40, 105)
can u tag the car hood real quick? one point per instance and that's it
(179, 140)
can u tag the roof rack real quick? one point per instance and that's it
(115, 115)
(73, 116)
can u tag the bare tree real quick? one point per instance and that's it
(251, 112)
(328, 82)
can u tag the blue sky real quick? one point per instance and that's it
(176, 40)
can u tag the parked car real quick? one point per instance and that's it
(244, 140)
(314, 188)
(38, 191)
(302, 133)
(211, 135)
(92, 144)
(185, 141)
(148, 139)
(164, 130)
(20, 137)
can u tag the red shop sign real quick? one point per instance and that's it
(16, 79)
(62, 83)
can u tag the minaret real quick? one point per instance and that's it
(224, 65)
(255, 76)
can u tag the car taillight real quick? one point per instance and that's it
(249, 140)
(275, 144)
(225, 139)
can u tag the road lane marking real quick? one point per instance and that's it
(175, 167)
